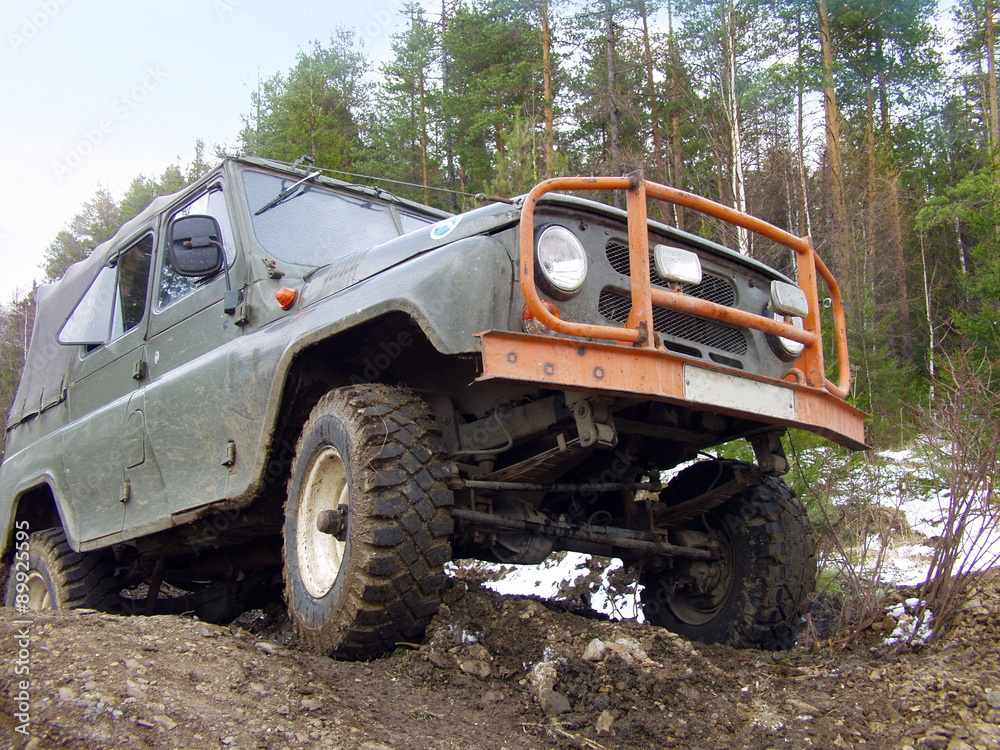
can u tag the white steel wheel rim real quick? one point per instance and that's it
(321, 555)
(39, 597)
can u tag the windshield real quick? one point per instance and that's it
(313, 225)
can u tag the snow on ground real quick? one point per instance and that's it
(560, 574)
(903, 481)
(924, 497)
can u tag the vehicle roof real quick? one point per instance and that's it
(46, 368)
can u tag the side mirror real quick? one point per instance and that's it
(196, 246)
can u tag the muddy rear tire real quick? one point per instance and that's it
(756, 594)
(370, 461)
(57, 578)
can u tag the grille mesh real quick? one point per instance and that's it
(712, 288)
(615, 306)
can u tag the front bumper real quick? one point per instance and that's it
(565, 364)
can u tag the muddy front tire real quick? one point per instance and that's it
(756, 594)
(368, 470)
(57, 578)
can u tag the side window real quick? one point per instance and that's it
(133, 278)
(172, 286)
(90, 322)
(115, 302)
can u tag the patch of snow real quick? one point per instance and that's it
(547, 578)
(911, 627)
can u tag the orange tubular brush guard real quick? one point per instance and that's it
(818, 402)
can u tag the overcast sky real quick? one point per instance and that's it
(95, 92)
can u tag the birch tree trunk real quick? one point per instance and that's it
(548, 94)
(731, 103)
(614, 124)
(675, 122)
(841, 229)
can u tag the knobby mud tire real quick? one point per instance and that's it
(391, 564)
(72, 580)
(774, 573)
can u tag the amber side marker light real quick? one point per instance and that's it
(530, 323)
(286, 297)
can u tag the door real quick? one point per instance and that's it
(108, 328)
(185, 400)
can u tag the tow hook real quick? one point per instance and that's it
(334, 523)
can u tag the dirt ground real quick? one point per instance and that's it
(494, 672)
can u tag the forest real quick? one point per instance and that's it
(871, 125)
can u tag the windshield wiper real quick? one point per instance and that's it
(286, 193)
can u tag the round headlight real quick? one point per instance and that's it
(786, 349)
(562, 261)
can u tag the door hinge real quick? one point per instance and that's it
(126, 492)
(234, 304)
(230, 454)
(140, 370)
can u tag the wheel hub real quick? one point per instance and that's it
(38, 592)
(701, 588)
(325, 492)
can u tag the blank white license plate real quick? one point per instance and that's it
(733, 392)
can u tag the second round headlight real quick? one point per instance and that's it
(561, 261)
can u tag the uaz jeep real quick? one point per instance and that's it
(276, 371)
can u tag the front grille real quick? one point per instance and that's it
(615, 307)
(712, 288)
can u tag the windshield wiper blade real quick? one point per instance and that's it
(285, 193)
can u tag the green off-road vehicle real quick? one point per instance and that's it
(273, 374)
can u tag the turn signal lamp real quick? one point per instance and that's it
(531, 324)
(286, 297)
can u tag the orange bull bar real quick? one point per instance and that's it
(812, 401)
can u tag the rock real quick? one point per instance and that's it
(553, 703)
(633, 648)
(993, 698)
(490, 698)
(605, 723)
(134, 690)
(475, 667)
(311, 704)
(801, 708)
(208, 633)
(975, 607)
(595, 650)
(543, 675)
(257, 688)
(936, 739)
(478, 651)
(228, 741)
(67, 694)
(267, 648)
(372, 745)
(439, 660)
(957, 744)
(165, 721)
